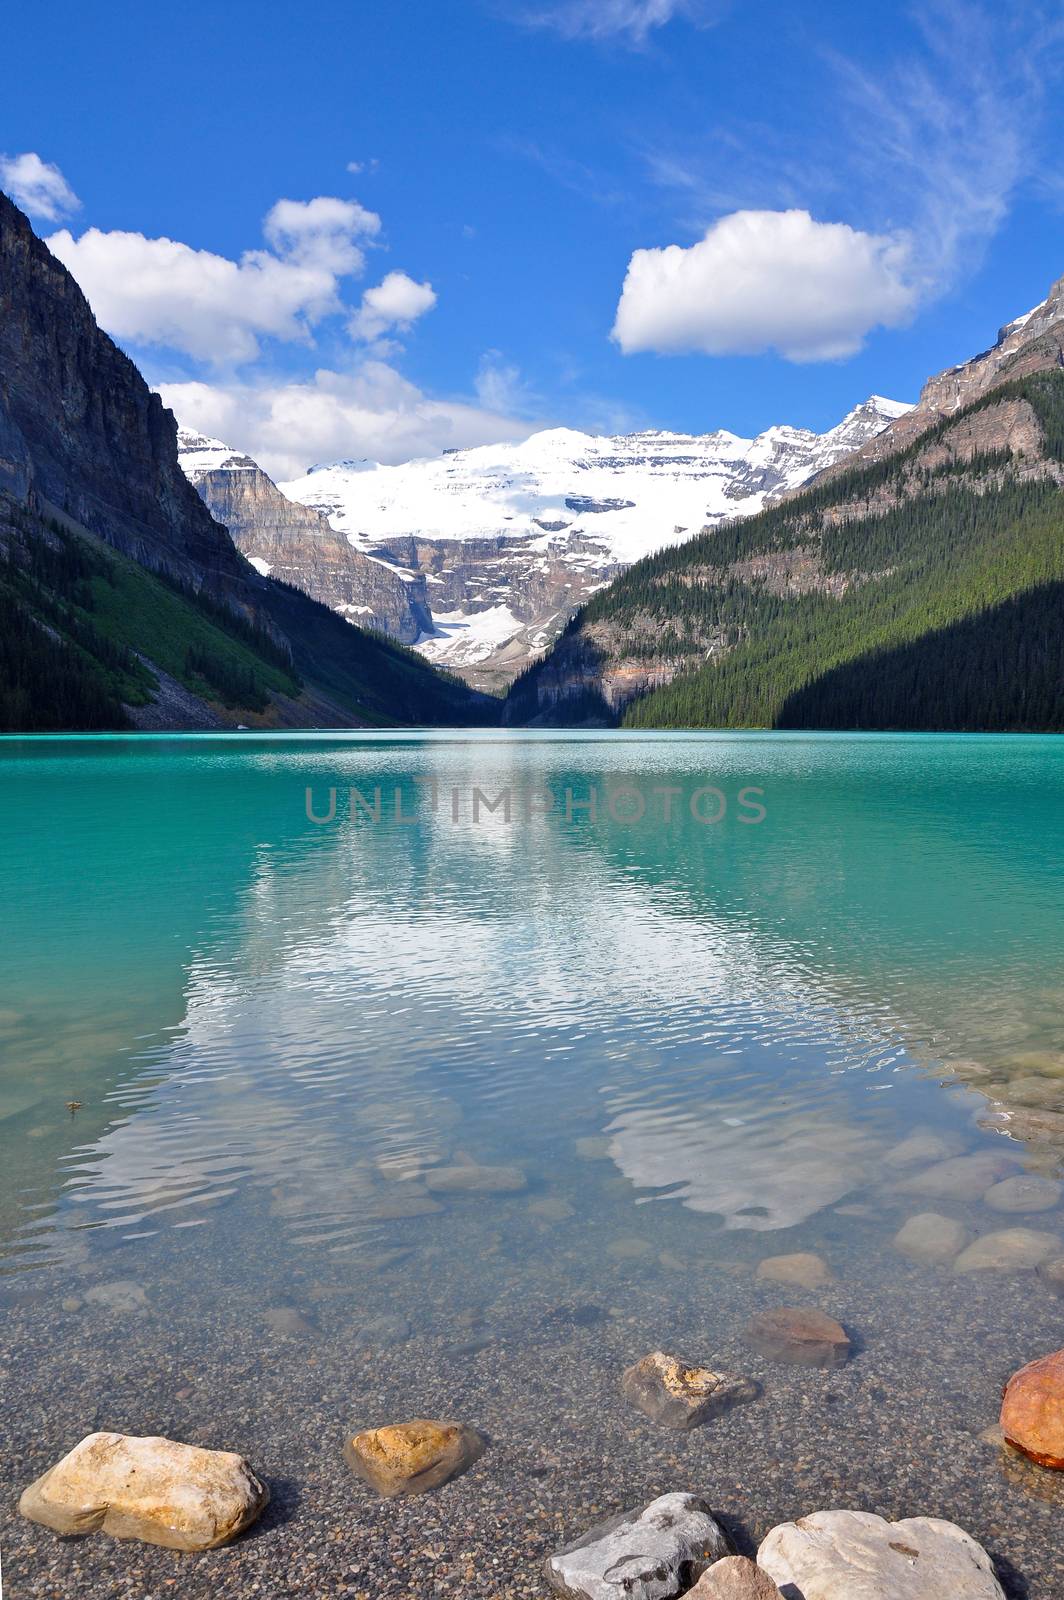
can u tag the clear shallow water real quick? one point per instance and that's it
(696, 1039)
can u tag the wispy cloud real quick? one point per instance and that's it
(631, 21)
(37, 186)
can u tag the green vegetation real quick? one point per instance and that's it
(76, 617)
(918, 618)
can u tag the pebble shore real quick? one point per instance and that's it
(534, 1363)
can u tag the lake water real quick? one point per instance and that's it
(695, 989)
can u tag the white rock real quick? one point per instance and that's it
(152, 1489)
(652, 1554)
(853, 1555)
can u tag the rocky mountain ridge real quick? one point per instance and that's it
(952, 510)
(482, 555)
(123, 602)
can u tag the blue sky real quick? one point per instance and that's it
(830, 200)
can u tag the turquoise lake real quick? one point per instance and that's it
(693, 992)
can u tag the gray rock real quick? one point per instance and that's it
(123, 1297)
(649, 1554)
(1008, 1250)
(1024, 1193)
(929, 1238)
(669, 1390)
(853, 1555)
(961, 1178)
(389, 1328)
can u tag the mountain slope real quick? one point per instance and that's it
(876, 597)
(122, 601)
(501, 543)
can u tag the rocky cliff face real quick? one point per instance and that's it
(81, 431)
(1031, 343)
(481, 556)
(297, 544)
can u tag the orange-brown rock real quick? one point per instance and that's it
(734, 1578)
(410, 1457)
(1032, 1412)
(800, 1338)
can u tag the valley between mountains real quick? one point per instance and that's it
(903, 570)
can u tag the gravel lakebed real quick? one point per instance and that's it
(522, 1327)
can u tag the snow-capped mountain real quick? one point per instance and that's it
(492, 548)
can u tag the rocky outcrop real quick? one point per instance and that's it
(152, 1489)
(297, 544)
(81, 431)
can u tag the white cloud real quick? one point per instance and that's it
(37, 186)
(633, 20)
(766, 280)
(394, 304)
(163, 292)
(372, 412)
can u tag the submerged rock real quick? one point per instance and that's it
(1008, 1250)
(671, 1391)
(734, 1578)
(799, 1338)
(153, 1489)
(843, 1555)
(629, 1247)
(1051, 1273)
(411, 1457)
(1024, 1193)
(960, 1178)
(289, 1323)
(924, 1146)
(649, 1554)
(803, 1268)
(476, 1180)
(930, 1238)
(552, 1208)
(1032, 1411)
(123, 1297)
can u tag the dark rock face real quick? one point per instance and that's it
(81, 431)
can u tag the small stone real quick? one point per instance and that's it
(71, 1302)
(650, 1554)
(123, 1297)
(931, 1238)
(804, 1269)
(1032, 1412)
(593, 1149)
(961, 1178)
(1008, 1250)
(629, 1248)
(734, 1578)
(411, 1457)
(408, 1200)
(671, 1391)
(289, 1323)
(923, 1147)
(551, 1209)
(389, 1328)
(1051, 1274)
(840, 1555)
(671, 1262)
(1024, 1194)
(800, 1338)
(476, 1180)
(152, 1489)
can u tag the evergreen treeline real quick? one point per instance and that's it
(900, 589)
